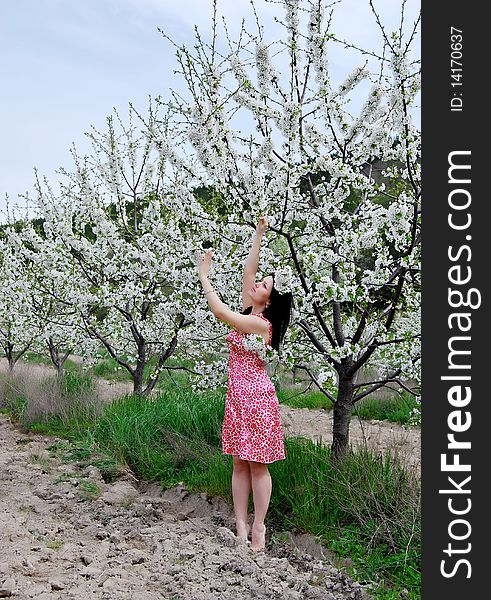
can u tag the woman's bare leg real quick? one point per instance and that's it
(241, 488)
(261, 489)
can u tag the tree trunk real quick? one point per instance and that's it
(140, 366)
(9, 352)
(138, 379)
(161, 361)
(55, 358)
(342, 415)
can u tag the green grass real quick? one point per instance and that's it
(88, 490)
(75, 382)
(367, 509)
(42, 359)
(294, 397)
(362, 510)
(157, 439)
(396, 409)
(14, 405)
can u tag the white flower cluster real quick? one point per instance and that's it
(283, 278)
(253, 342)
(353, 79)
(317, 46)
(415, 415)
(265, 72)
(327, 376)
(209, 375)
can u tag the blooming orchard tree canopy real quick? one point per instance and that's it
(19, 327)
(116, 255)
(349, 234)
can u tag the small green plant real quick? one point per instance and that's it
(84, 454)
(66, 477)
(39, 460)
(58, 447)
(109, 468)
(55, 544)
(70, 450)
(318, 580)
(88, 489)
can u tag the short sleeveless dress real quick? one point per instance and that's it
(252, 425)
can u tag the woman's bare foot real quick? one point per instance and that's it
(243, 532)
(258, 537)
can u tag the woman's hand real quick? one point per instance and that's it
(262, 225)
(204, 263)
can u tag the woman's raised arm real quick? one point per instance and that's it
(244, 323)
(252, 262)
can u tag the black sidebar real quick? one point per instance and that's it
(456, 374)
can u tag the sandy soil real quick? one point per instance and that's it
(133, 541)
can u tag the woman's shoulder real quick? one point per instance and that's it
(270, 325)
(262, 317)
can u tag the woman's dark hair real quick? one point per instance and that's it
(278, 312)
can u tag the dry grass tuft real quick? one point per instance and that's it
(32, 396)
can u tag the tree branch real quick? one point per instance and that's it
(325, 392)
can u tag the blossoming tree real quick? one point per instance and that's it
(19, 329)
(270, 133)
(113, 255)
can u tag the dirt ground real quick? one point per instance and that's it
(133, 541)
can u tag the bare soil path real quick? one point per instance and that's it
(134, 541)
(67, 534)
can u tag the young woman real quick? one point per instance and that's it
(252, 430)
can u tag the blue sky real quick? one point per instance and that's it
(66, 63)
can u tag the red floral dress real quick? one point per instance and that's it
(251, 425)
